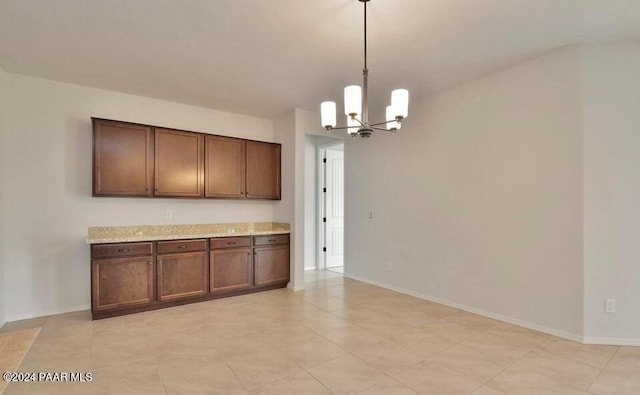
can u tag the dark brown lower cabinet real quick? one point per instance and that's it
(230, 270)
(132, 277)
(182, 275)
(271, 265)
(121, 282)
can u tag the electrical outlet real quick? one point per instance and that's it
(610, 305)
(389, 266)
(169, 214)
(370, 214)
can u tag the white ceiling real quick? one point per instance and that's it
(263, 57)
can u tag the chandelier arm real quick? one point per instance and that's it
(382, 123)
(377, 128)
(344, 127)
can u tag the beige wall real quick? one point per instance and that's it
(3, 105)
(47, 181)
(477, 201)
(611, 103)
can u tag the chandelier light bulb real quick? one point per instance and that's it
(392, 124)
(400, 102)
(352, 100)
(328, 114)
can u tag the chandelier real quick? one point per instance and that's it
(356, 104)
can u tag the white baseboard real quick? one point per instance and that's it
(611, 341)
(499, 317)
(71, 309)
(295, 288)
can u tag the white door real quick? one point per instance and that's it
(334, 208)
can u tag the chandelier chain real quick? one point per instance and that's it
(365, 35)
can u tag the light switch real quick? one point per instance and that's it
(610, 305)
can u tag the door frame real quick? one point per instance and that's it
(321, 208)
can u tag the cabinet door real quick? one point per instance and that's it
(224, 167)
(271, 265)
(182, 275)
(122, 159)
(263, 170)
(179, 165)
(230, 270)
(121, 282)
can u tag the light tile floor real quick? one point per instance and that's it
(339, 336)
(13, 347)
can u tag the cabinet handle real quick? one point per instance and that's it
(231, 243)
(160, 262)
(150, 262)
(272, 240)
(182, 246)
(123, 250)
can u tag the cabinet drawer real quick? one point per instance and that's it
(168, 247)
(123, 249)
(230, 242)
(270, 240)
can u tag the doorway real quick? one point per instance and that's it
(331, 206)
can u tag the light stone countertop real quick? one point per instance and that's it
(125, 234)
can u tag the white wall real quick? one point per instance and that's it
(291, 130)
(47, 185)
(611, 103)
(311, 209)
(3, 105)
(477, 201)
(284, 130)
(310, 202)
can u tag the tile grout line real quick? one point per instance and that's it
(571, 359)
(235, 375)
(616, 373)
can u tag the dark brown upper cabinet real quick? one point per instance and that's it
(263, 170)
(224, 167)
(179, 163)
(122, 159)
(140, 160)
